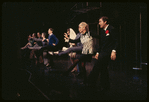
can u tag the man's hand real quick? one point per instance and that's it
(47, 40)
(96, 56)
(113, 55)
(54, 44)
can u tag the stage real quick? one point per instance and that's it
(37, 82)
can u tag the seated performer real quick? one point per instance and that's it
(44, 40)
(87, 50)
(25, 50)
(30, 42)
(73, 49)
(71, 35)
(38, 44)
(52, 42)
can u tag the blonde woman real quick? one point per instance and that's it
(87, 50)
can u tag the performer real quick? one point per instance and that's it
(52, 42)
(37, 46)
(25, 50)
(44, 40)
(107, 50)
(38, 43)
(87, 50)
(74, 50)
(73, 47)
(30, 42)
(70, 35)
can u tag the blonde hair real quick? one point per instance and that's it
(84, 24)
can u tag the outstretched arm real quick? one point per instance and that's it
(36, 39)
(74, 41)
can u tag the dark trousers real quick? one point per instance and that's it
(25, 53)
(81, 61)
(71, 49)
(100, 66)
(47, 48)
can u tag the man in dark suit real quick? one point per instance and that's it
(107, 50)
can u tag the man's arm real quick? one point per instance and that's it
(115, 40)
(36, 39)
(56, 40)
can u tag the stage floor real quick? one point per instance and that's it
(37, 82)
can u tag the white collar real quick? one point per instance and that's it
(50, 34)
(106, 27)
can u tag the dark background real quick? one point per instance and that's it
(19, 19)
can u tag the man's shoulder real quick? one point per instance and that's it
(52, 35)
(110, 27)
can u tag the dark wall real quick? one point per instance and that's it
(21, 19)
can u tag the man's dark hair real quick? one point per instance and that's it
(51, 29)
(105, 18)
(38, 32)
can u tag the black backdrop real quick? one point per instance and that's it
(21, 19)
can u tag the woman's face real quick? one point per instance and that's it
(33, 35)
(81, 29)
(68, 32)
(29, 36)
(43, 35)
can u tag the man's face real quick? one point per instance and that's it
(49, 31)
(38, 35)
(102, 23)
(81, 29)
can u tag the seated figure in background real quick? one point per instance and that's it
(30, 42)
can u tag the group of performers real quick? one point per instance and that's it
(80, 50)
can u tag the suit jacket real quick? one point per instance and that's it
(108, 42)
(53, 39)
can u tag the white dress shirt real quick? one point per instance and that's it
(50, 34)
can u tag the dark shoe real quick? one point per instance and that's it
(79, 75)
